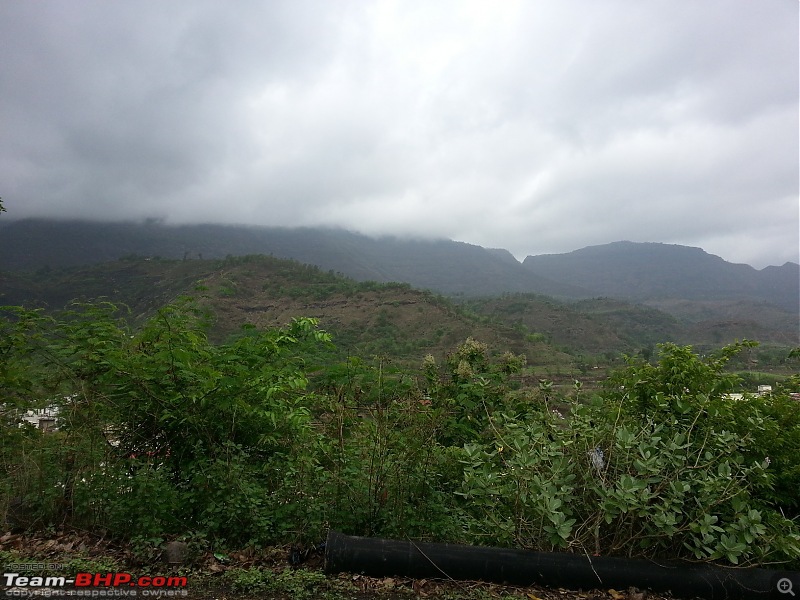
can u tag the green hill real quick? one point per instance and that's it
(365, 318)
(596, 326)
(445, 266)
(648, 272)
(391, 319)
(649, 293)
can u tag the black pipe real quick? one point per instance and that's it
(381, 558)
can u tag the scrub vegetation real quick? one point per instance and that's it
(272, 437)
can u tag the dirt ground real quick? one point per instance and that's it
(218, 577)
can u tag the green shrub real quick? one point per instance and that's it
(609, 479)
(163, 434)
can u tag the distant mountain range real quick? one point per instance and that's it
(648, 272)
(641, 272)
(391, 319)
(448, 267)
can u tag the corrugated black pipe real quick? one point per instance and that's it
(382, 558)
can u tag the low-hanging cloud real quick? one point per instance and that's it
(539, 126)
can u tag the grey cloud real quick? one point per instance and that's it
(535, 126)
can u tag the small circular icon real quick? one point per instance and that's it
(785, 586)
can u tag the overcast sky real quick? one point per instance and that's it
(538, 126)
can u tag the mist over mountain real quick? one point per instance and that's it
(640, 272)
(443, 265)
(653, 271)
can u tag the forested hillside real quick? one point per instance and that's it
(634, 271)
(653, 272)
(393, 319)
(444, 266)
(390, 319)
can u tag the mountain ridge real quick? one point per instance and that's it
(635, 271)
(389, 318)
(502, 253)
(646, 271)
(443, 265)
(620, 243)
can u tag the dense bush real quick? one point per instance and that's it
(162, 433)
(658, 466)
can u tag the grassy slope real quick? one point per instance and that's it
(606, 325)
(597, 326)
(391, 319)
(365, 317)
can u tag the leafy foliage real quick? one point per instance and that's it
(470, 387)
(161, 421)
(163, 433)
(658, 466)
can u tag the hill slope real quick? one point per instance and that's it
(650, 271)
(443, 265)
(383, 318)
(713, 300)
(365, 317)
